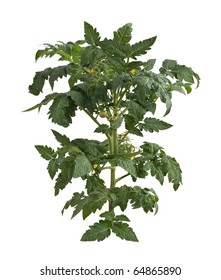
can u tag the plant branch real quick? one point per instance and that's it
(122, 177)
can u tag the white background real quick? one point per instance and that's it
(186, 231)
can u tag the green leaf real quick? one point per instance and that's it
(45, 101)
(91, 35)
(38, 81)
(117, 123)
(59, 110)
(88, 55)
(168, 105)
(122, 196)
(187, 88)
(94, 202)
(62, 139)
(152, 124)
(45, 152)
(143, 198)
(91, 148)
(149, 64)
(103, 128)
(123, 231)
(142, 47)
(176, 87)
(126, 163)
(58, 72)
(185, 73)
(136, 111)
(122, 218)
(172, 168)
(114, 48)
(82, 166)
(76, 198)
(52, 168)
(170, 64)
(94, 183)
(108, 215)
(123, 34)
(99, 231)
(61, 182)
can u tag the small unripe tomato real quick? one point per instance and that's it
(102, 114)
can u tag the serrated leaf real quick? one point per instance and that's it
(149, 64)
(123, 231)
(58, 111)
(98, 231)
(172, 167)
(114, 48)
(91, 35)
(88, 55)
(122, 196)
(91, 148)
(123, 34)
(126, 163)
(62, 139)
(82, 166)
(185, 73)
(142, 47)
(143, 198)
(153, 124)
(38, 81)
(170, 64)
(52, 168)
(103, 128)
(58, 72)
(94, 202)
(108, 215)
(94, 183)
(45, 152)
(121, 218)
(61, 182)
(136, 111)
(76, 198)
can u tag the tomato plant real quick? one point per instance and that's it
(119, 92)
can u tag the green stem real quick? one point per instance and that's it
(113, 145)
(122, 177)
(92, 117)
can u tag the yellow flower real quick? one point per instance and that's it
(132, 158)
(132, 71)
(90, 71)
(95, 166)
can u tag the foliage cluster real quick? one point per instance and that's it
(116, 89)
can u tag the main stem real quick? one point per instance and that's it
(113, 144)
